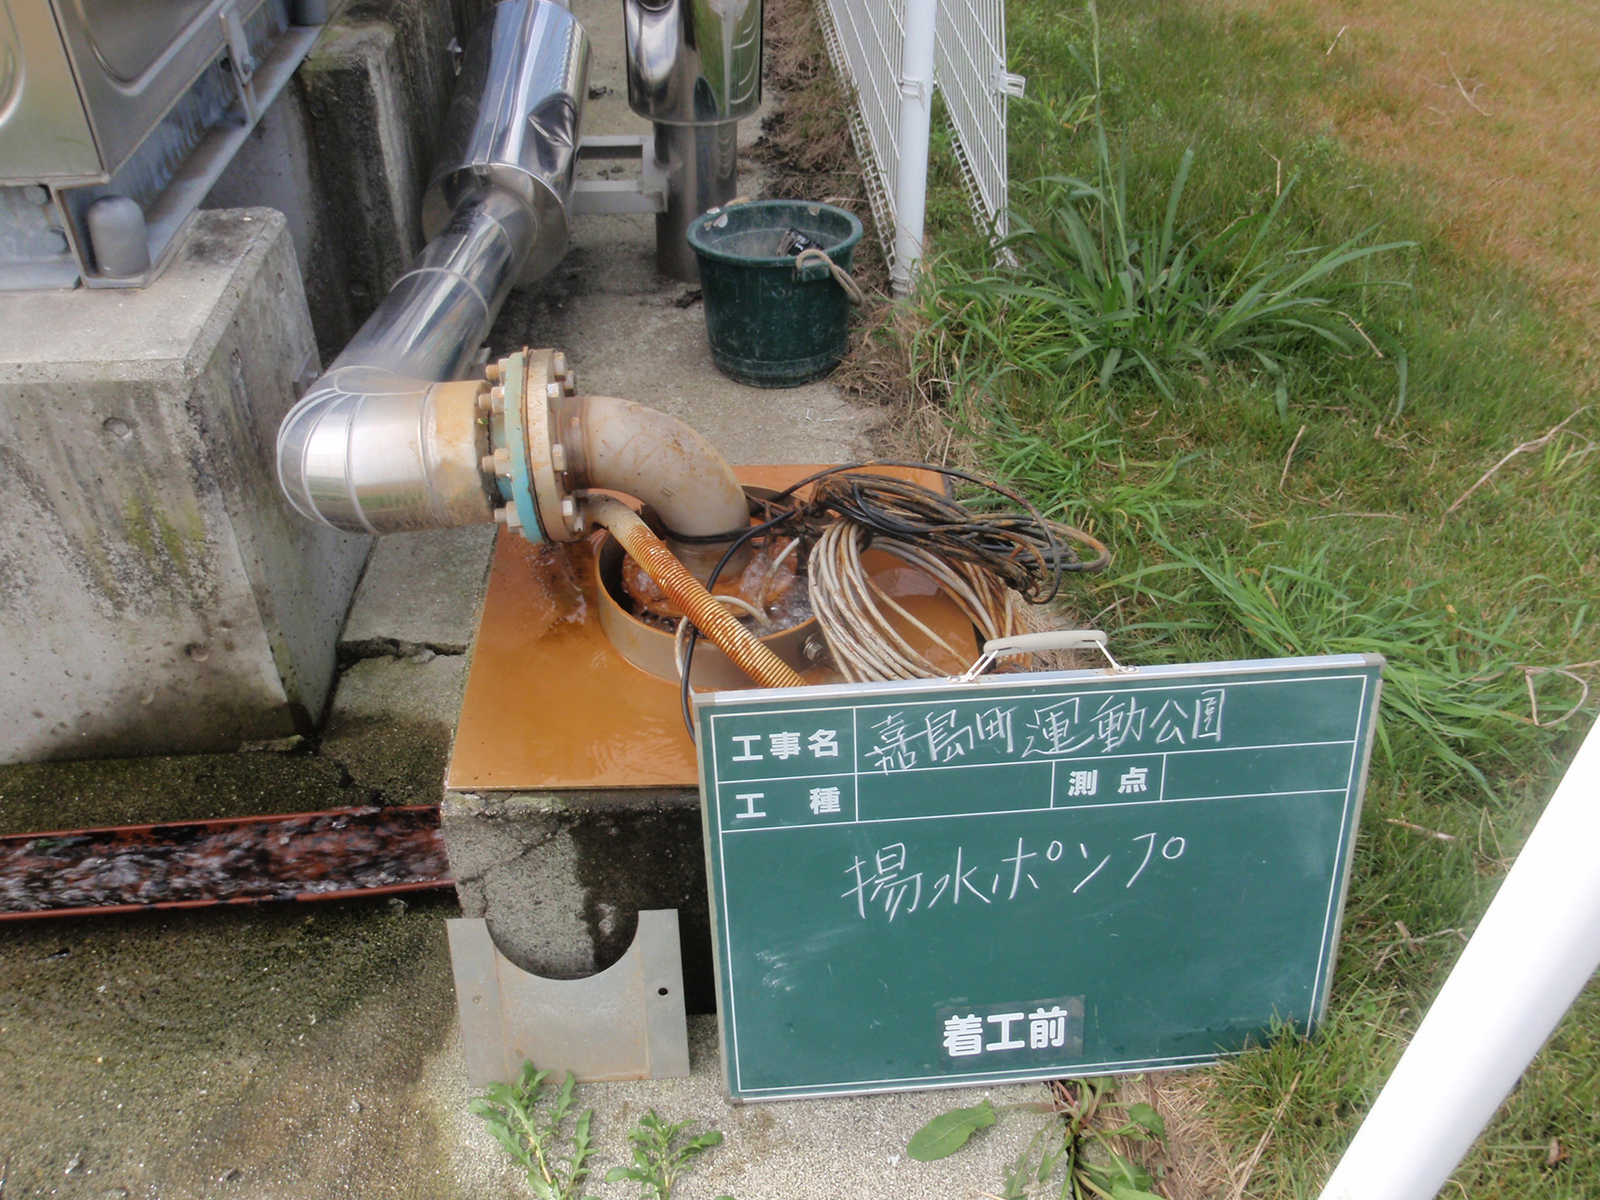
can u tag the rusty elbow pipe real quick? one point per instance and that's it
(642, 452)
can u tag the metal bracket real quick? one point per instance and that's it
(627, 1022)
(1029, 643)
(915, 89)
(242, 62)
(647, 193)
(1003, 83)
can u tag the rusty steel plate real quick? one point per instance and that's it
(551, 704)
(333, 855)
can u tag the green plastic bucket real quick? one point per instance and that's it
(772, 324)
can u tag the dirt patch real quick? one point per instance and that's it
(1192, 1162)
(805, 143)
(1493, 102)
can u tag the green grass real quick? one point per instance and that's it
(1257, 512)
(1092, 292)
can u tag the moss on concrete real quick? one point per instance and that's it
(136, 791)
(273, 1050)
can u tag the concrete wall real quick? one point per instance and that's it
(157, 594)
(346, 151)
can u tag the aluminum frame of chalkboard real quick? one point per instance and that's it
(960, 902)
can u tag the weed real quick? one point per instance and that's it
(532, 1131)
(1059, 1152)
(661, 1153)
(1094, 293)
(1454, 692)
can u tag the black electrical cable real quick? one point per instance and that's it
(1028, 553)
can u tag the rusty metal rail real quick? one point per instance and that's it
(333, 855)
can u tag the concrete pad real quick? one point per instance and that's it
(420, 590)
(631, 333)
(157, 593)
(391, 724)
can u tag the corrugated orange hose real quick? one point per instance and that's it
(691, 597)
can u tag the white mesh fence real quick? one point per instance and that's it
(865, 40)
(970, 64)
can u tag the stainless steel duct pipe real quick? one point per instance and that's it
(513, 123)
(694, 68)
(390, 438)
(364, 449)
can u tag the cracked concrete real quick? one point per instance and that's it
(419, 591)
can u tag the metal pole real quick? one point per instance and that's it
(1532, 954)
(916, 114)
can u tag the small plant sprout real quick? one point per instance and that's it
(531, 1124)
(661, 1153)
(1055, 1162)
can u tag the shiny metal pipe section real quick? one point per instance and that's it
(373, 447)
(693, 63)
(702, 167)
(694, 69)
(437, 314)
(513, 121)
(369, 451)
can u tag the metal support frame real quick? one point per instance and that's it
(168, 215)
(261, 55)
(645, 193)
(627, 1022)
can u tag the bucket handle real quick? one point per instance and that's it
(812, 264)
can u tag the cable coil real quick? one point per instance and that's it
(987, 562)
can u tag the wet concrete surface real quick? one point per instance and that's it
(265, 1052)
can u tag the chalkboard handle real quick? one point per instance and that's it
(1030, 643)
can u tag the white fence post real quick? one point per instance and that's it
(916, 116)
(1531, 955)
(892, 53)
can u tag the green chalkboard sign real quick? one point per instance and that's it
(926, 884)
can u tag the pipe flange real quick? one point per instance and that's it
(558, 512)
(514, 375)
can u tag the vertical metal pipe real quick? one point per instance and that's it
(916, 116)
(702, 167)
(694, 69)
